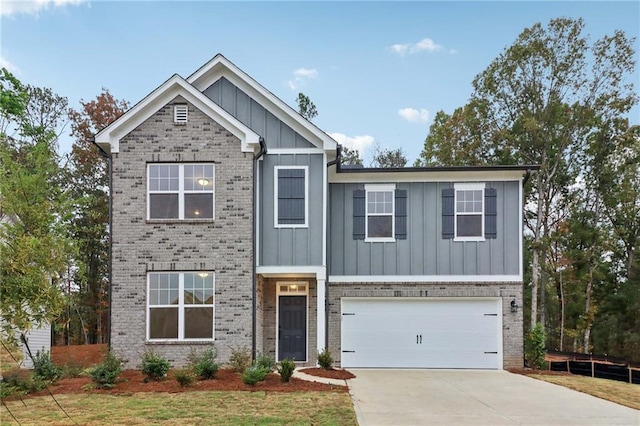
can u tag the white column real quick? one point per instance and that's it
(321, 294)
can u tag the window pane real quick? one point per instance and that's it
(163, 323)
(198, 177)
(469, 226)
(380, 226)
(198, 206)
(198, 323)
(163, 206)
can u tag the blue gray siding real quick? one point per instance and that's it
(237, 103)
(291, 246)
(424, 252)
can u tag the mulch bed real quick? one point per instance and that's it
(78, 355)
(531, 372)
(328, 374)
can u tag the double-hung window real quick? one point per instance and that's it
(380, 221)
(291, 197)
(180, 306)
(469, 211)
(180, 191)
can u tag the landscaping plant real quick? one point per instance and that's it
(154, 366)
(325, 359)
(285, 369)
(205, 365)
(254, 374)
(105, 374)
(44, 368)
(266, 362)
(184, 377)
(240, 359)
(535, 346)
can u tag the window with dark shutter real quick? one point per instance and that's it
(469, 212)
(448, 213)
(291, 196)
(359, 214)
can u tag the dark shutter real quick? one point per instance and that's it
(359, 214)
(401, 214)
(448, 213)
(490, 213)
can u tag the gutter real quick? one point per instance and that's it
(529, 168)
(254, 280)
(107, 156)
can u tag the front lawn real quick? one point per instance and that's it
(220, 408)
(619, 392)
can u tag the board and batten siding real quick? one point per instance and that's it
(424, 252)
(237, 103)
(290, 246)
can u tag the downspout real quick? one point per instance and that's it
(337, 161)
(254, 326)
(105, 154)
(527, 176)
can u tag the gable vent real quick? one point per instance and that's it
(180, 114)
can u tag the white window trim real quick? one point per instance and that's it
(304, 292)
(380, 188)
(181, 306)
(181, 191)
(467, 187)
(276, 170)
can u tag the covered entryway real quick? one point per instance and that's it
(421, 333)
(292, 321)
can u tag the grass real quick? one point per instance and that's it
(619, 392)
(224, 408)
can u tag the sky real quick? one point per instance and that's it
(377, 71)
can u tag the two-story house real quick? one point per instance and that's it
(233, 224)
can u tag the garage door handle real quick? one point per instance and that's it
(421, 339)
(416, 339)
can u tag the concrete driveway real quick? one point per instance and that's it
(472, 397)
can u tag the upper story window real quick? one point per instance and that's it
(180, 191)
(469, 211)
(291, 197)
(380, 221)
(180, 113)
(180, 306)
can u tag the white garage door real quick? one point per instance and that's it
(420, 333)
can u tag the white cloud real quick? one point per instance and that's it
(301, 76)
(4, 63)
(413, 115)
(424, 45)
(32, 7)
(361, 143)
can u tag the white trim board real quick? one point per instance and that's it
(319, 272)
(424, 278)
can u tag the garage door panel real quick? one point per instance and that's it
(418, 333)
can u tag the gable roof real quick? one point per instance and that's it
(220, 66)
(109, 137)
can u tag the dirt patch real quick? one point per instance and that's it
(328, 374)
(530, 372)
(78, 355)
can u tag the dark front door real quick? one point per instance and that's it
(292, 328)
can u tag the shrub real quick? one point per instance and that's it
(254, 374)
(154, 366)
(20, 382)
(240, 359)
(266, 362)
(184, 377)
(71, 370)
(44, 368)
(325, 359)
(535, 346)
(285, 369)
(205, 365)
(105, 374)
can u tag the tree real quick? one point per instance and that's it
(351, 157)
(388, 158)
(544, 96)
(90, 187)
(306, 108)
(34, 240)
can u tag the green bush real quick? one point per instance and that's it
(205, 365)
(325, 359)
(254, 374)
(70, 371)
(154, 366)
(44, 368)
(266, 362)
(535, 347)
(184, 377)
(240, 359)
(17, 381)
(105, 374)
(285, 369)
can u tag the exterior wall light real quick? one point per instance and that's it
(514, 306)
